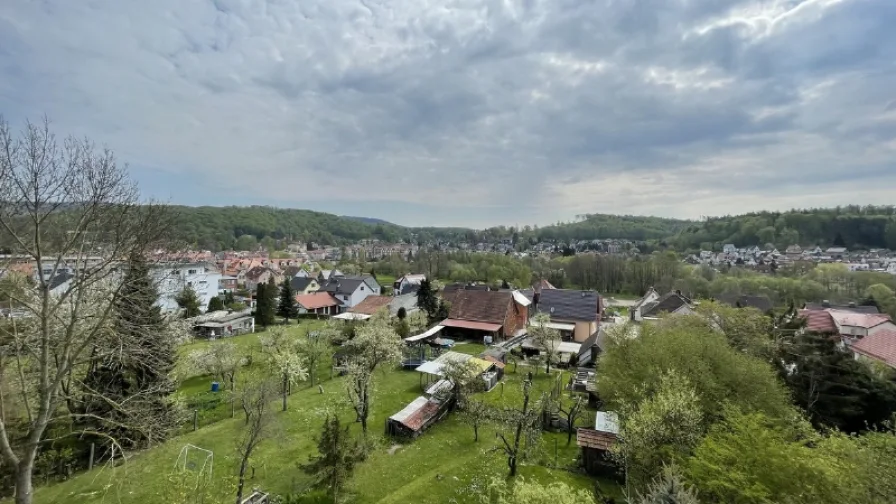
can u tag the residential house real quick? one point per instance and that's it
(477, 313)
(227, 283)
(649, 298)
(371, 282)
(172, 278)
(261, 275)
(674, 303)
(854, 326)
(836, 253)
(324, 276)
(851, 307)
(372, 304)
(729, 248)
(407, 283)
(349, 291)
(879, 346)
(575, 313)
(304, 285)
(223, 324)
(319, 303)
(596, 444)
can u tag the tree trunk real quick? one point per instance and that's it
(475, 433)
(569, 431)
(24, 489)
(511, 462)
(242, 480)
(364, 423)
(285, 389)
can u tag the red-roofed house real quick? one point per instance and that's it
(320, 303)
(854, 326)
(372, 304)
(819, 321)
(880, 346)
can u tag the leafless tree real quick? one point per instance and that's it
(525, 427)
(69, 210)
(546, 338)
(255, 399)
(571, 412)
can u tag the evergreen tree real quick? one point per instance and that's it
(834, 388)
(337, 457)
(139, 376)
(188, 301)
(287, 308)
(427, 300)
(215, 304)
(264, 306)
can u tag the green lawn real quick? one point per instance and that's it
(443, 465)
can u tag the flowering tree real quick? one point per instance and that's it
(282, 351)
(375, 344)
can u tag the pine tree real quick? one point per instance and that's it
(264, 307)
(835, 389)
(139, 376)
(286, 308)
(215, 304)
(188, 302)
(337, 457)
(426, 299)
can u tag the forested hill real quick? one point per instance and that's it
(604, 226)
(219, 228)
(851, 226)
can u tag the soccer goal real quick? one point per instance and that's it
(197, 460)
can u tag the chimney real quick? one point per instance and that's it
(825, 304)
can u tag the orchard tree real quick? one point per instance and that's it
(547, 339)
(63, 206)
(284, 359)
(522, 428)
(314, 348)
(375, 344)
(524, 491)
(255, 398)
(223, 360)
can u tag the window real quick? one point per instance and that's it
(362, 287)
(192, 272)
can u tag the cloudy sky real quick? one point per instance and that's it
(471, 112)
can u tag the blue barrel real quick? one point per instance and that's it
(215, 386)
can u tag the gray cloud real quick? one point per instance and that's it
(516, 111)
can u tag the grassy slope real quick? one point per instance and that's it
(444, 465)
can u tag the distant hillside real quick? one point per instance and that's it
(850, 226)
(604, 226)
(218, 228)
(366, 220)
